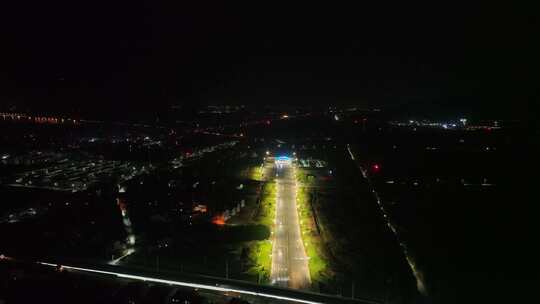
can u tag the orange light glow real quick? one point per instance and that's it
(218, 220)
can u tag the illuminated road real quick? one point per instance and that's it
(289, 259)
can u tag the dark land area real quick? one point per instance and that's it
(393, 212)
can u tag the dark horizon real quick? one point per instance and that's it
(143, 58)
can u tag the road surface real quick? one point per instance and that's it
(289, 259)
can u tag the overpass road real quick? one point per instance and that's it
(262, 293)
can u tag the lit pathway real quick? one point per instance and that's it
(289, 260)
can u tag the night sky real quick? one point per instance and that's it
(140, 57)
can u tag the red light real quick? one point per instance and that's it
(376, 167)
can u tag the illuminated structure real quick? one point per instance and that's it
(283, 160)
(130, 248)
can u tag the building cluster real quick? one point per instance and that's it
(75, 175)
(189, 156)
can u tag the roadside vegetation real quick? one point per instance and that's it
(364, 257)
(267, 208)
(260, 260)
(255, 173)
(259, 256)
(318, 262)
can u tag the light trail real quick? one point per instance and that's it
(350, 153)
(183, 283)
(418, 275)
(128, 253)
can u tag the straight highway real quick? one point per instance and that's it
(289, 259)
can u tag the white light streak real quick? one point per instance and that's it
(186, 284)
